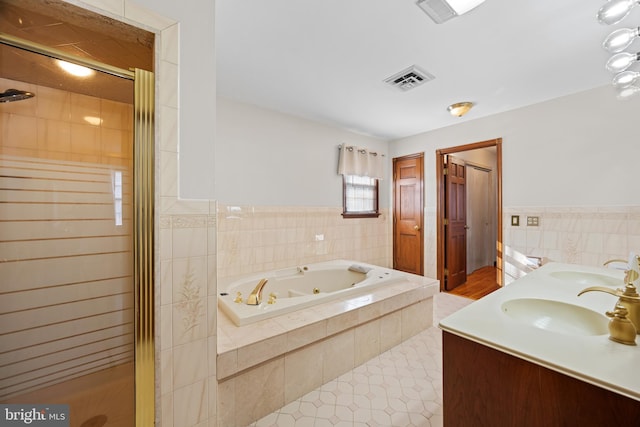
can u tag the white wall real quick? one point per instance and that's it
(578, 150)
(267, 158)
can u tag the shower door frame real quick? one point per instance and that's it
(143, 216)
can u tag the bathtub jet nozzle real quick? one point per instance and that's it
(256, 296)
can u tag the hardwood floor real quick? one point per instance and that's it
(479, 283)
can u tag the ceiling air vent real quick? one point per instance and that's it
(409, 78)
(438, 10)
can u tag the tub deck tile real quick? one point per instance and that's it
(240, 347)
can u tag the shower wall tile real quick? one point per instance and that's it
(21, 131)
(116, 115)
(53, 104)
(54, 126)
(82, 106)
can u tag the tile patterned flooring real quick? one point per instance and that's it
(401, 387)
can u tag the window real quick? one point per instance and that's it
(360, 194)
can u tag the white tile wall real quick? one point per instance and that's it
(576, 235)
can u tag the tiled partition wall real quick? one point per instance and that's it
(187, 315)
(576, 235)
(253, 239)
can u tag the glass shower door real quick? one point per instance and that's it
(67, 300)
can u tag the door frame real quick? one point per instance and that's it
(440, 208)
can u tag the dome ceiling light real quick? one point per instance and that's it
(459, 109)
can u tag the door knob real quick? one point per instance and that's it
(416, 227)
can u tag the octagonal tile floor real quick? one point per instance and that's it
(400, 387)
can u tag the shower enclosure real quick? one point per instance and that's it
(76, 236)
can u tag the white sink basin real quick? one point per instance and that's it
(555, 316)
(587, 279)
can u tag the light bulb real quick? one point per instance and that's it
(621, 61)
(628, 92)
(615, 11)
(620, 39)
(625, 79)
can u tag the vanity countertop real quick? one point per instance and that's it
(591, 358)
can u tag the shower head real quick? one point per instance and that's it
(11, 95)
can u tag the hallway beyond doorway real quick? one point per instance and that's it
(479, 283)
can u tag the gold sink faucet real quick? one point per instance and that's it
(620, 327)
(611, 261)
(628, 297)
(256, 295)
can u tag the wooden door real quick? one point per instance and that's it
(408, 241)
(455, 223)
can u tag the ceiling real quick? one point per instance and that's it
(327, 60)
(75, 31)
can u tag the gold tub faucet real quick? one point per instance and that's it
(256, 295)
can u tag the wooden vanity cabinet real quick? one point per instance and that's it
(486, 387)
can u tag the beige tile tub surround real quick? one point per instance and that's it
(252, 239)
(263, 366)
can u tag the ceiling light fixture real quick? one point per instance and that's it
(628, 92)
(443, 10)
(75, 69)
(621, 61)
(620, 39)
(615, 11)
(625, 79)
(612, 12)
(459, 109)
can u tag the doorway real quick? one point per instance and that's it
(455, 258)
(77, 235)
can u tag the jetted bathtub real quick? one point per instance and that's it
(292, 289)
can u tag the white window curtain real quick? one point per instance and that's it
(359, 161)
